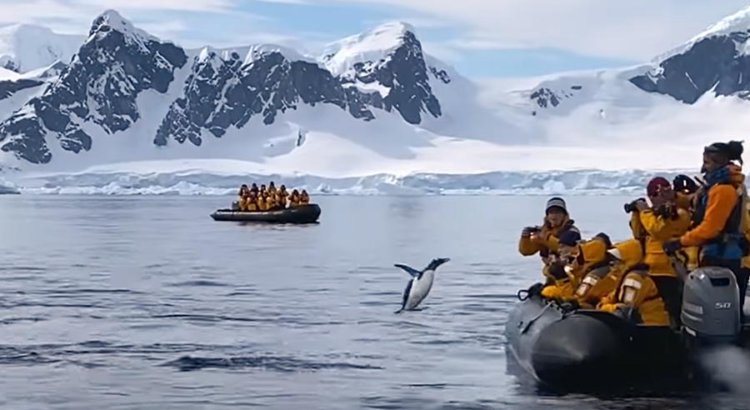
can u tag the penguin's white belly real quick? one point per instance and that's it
(419, 289)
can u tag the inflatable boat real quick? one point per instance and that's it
(565, 347)
(302, 214)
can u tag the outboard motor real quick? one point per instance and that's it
(711, 306)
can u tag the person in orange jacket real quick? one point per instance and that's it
(719, 221)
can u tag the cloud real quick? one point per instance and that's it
(633, 29)
(172, 5)
(442, 51)
(165, 29)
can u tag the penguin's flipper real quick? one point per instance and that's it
(411, 271)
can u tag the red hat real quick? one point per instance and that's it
(656, 184)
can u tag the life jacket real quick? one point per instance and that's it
(731, 243)
(606, 276)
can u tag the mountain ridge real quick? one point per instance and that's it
(125, 90)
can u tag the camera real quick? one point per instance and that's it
(530, 230)
(666, 212)
(630, 206)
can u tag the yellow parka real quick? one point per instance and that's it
(655, 230)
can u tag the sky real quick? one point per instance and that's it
(480, 38)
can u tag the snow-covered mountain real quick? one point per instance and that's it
(26, 47)
(374, 103)
(125, 88)
(714, 63)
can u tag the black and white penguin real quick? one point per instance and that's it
(420, 284)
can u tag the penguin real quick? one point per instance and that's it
(420, 284)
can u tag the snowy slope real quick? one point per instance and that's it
(340, 57)
(25, 47)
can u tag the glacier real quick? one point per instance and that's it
(212, 182)
(7, 187)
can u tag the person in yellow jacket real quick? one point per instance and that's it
(574, 261)
(243, 195)
(545, 240)
(263, 201)
(304, 198)
(252, 203)
(720, 218)
(294, 198)
(282, 196)
(603, 279)
(637, 298)
(655, 225)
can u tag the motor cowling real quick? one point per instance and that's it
(711, 305)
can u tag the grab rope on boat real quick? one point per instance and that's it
(535, 318)
(533, 290)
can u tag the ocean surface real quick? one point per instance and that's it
(147, 303)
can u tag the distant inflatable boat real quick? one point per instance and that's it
(303, 214)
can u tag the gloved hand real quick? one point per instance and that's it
(672, 246)
(535, 289)
(608, 307)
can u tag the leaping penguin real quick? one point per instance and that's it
(420, 284)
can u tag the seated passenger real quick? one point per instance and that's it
(637, 299)
(294, 198)
(262, 203)
(575, 260)
(271, 204)
(252, 203)
(602, 279)
(271, 189)
(304, 198)
(243, 195)
(254, 188)
(282, 196)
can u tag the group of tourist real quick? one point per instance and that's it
(252, 199)
(703, 223)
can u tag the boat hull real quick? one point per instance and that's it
(588, 349)
(303, 214)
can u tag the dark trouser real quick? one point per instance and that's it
(740, 274)
(671, 294)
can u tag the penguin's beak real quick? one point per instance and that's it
(443, 260)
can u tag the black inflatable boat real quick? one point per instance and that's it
(562, 346)
(568, 348)
(302, 214)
